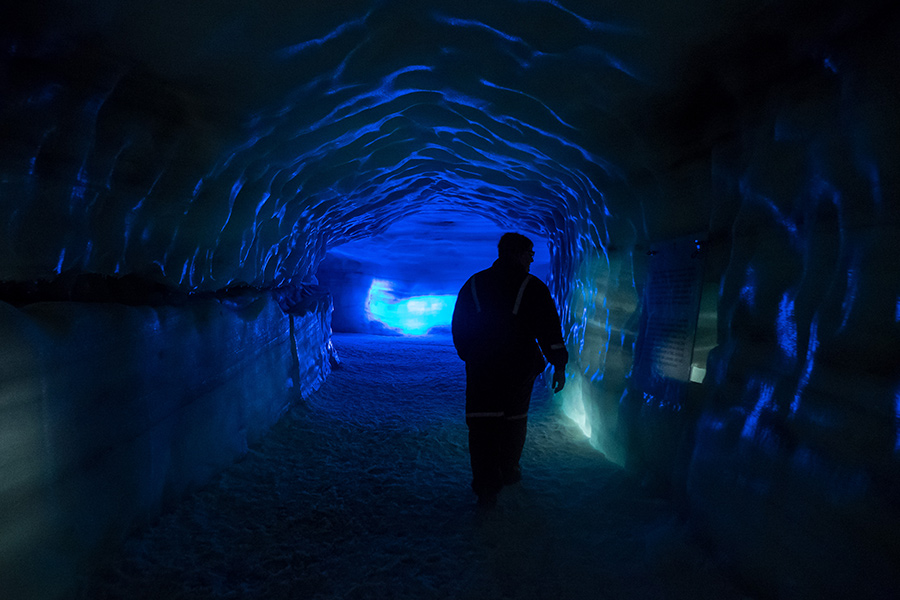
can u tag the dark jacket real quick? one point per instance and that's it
(499, 314)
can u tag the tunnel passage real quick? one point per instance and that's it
(381, 507)
(405, 280)
(220, 152)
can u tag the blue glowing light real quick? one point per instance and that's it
(59, 265)
(318, 42)
(786, 327)
(748, 292)
(79, 190)
(410, 316)
(852, 291)
(810, 363)
(489, 84)
(766, 392)
(463, 23)
(587, 23)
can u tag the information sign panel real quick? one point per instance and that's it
(669, 317)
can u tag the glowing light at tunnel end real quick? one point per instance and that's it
(416, 315)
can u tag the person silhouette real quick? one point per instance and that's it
(504, 325)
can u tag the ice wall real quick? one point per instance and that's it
(109, 413)
(792, 467)
(801, 434)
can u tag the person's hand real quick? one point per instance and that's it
(559, 379)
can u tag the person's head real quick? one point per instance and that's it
(516, 247)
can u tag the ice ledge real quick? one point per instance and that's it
(110, 412)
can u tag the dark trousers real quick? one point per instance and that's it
(496, 414)
(495, 447)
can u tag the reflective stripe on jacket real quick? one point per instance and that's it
(503, 315)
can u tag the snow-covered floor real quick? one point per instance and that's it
(363, 492)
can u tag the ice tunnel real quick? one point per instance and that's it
(187, 192)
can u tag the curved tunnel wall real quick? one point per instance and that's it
(232, 147)
(800, 434)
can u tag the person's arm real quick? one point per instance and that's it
(461, 323)
(549, 337)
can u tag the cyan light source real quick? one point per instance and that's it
(573, 404)
(416, 315)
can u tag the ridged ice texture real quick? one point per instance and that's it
(801, 437)
(235, 143)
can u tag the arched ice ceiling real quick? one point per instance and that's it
(210, 143)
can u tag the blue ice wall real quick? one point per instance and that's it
(110, 413)
(787, 454)
(800, 434)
